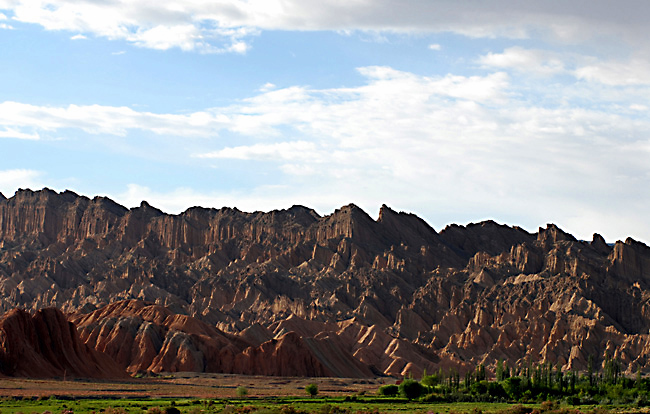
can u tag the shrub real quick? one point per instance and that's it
(110, 410)
(290, 409)
(172, 410)
(242, 391)
(495, 390)
(430, 380)
(331, 409)
(155, 410)
(433, 398)
(312, 389)
(519, 409)
(411, 389)
(389, 390)
(549, 405)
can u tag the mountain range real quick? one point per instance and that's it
(290, 292)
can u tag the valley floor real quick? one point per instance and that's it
(188, 385)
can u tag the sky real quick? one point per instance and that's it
(523, 112)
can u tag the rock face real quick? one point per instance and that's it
(47, 345)
(291, 292)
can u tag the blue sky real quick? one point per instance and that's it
(523, 112)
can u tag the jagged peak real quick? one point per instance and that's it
(297, 208)
(631, 242)
(485, 236)
(484, 224)
(48, 196)
(110, 205)
(599, 243)
(407, 226)
(553, 234)
(352, 211)
(147, 210)
(385, 211)
(2, 196)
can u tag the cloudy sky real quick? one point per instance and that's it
(524, 112)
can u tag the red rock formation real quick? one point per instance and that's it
(47, 345)
(466, 295)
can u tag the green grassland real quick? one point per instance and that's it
(288, 405)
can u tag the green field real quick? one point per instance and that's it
(349, 405)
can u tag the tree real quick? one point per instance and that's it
(480, 373)
(389, 390)
(499, 373)
(411, 389)
(312, 389)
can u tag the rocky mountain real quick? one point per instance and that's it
(291, 292)
(45, 344)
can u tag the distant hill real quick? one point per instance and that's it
(289, 292)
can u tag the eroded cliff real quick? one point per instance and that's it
(390, 295)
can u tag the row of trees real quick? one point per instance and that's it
(528, 383)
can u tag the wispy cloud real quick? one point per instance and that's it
(78, 37)
(98, 119)
(4, 25)
(529, 61)
(280, 151)
(14, 133)
(611, 72)
(458, 144)
(227, 26)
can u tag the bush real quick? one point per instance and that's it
(549, 405)
(520, 409)
(109, 410)
(290, 409)
(331, 409)
(411, 389)
(172, 410)
(513, 387)
(572, 400)
(433, 398)
(312, 389)
(495, 390)
(430, 380)
(389, 390)
(242, 391)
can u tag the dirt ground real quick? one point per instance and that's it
(188, 385)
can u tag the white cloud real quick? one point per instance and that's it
(4, 25)
(11, 180)
(632, 71)
(435, 46)
(635, 71)
(13, 133)
(637, 107)
(285, 151)
(226, 26)
(538, 62)
(445, 147)
(97, 119)
(78, 37)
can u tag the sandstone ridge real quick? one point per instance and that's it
(351, 295)
(45, 344)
